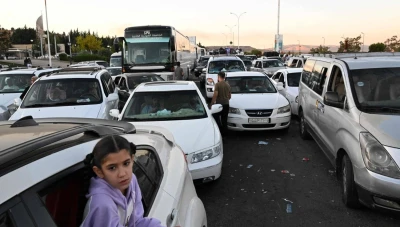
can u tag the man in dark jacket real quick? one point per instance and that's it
(33, 79)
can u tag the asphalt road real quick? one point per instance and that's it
(255, 196)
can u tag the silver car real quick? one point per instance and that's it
(267, 66)
(351, 107)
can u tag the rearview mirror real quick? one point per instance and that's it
(114, 113)
(216, 108)
(331, 98)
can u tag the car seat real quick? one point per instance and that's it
(394, 90)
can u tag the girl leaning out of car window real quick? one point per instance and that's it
(114, 197)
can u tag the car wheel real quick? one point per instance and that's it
(304, 134)
(349, 191)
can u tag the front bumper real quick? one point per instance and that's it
(372, 188)
(207, 169)
(209, 91)
(241, 123)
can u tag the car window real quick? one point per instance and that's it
(318, 76)
(336, 83)
(307, 71)
(14, 83)
(227, 65)
(293, 64)
(250, 84)
(148, 172)
(272, 64)
(122, 83)
(116, 80)
(282, 78)
(165, 106)
(63, 92)
(293, 79)
(134, 81)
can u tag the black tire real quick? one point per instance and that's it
(304, 134)
(349, 190)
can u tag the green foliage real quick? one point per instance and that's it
(89, 57)
(256, 52)
(5, 41)
(392, 44)
(320, 49)
(353, 45)
(88, 42)
(63, 57)
(23, 35)
(377, 47)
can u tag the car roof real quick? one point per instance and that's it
(244, 73)
(223, 58)
(81, 73)
(292, 70)
(32, 71)
(139, 74)
(166, 86)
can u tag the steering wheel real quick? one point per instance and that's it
(88, 95)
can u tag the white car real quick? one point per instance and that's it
(180, 107)
(13, 84)
(44, 181)
(289, 79)
(217, 64)
(86, 93)
(129, 81)
(256, 103)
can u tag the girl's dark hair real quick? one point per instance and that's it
(107, 145)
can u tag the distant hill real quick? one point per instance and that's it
(286, 48)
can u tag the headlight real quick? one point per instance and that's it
(297, 99)
(210, 81)
(376, 157)
(234, 110)
(207, 154)
(284, 109)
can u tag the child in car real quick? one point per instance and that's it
(114, 197)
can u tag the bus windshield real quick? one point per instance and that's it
(148, 51)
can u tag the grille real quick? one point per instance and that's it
(259, 113)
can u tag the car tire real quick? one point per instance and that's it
(349, 190)
(304, 134)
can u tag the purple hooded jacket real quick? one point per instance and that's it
(107, 206)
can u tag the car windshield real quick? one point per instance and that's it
(272, 64)
(14, 83)
(164, 106)
(293, 79)
(250, 84)
(63, 92)
(114, 71)
(134, 81)
(115, 61)
(377, 89)
(228, 66)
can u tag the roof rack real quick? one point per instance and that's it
(355, 55)
(91, 69)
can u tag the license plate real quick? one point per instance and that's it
(259, 120)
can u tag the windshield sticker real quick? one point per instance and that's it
(360, 84)
(83, 100)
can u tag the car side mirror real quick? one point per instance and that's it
(216, 108)
(280, 86)
(114, 113)
(17, 102)
(112, 97)
(331, 98)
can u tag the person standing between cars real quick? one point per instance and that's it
(33, 79)
(222, 95)
(114, 197)
(178, 72)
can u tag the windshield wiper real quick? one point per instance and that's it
(54, 104)
(382, 109)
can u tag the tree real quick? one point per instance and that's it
(392, 44)
(350, 45)
(255, 52)
(201, 46)
(321, 49)
(89, 43)
(5, 40)
(377, 47)
(23, 35)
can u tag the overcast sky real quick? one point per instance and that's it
(304, 20)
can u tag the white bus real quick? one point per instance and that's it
(115, 59)
(156, 49)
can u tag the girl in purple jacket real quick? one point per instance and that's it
(114, 197)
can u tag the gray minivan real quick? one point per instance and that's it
(351, 107)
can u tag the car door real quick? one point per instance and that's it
(330, 118)
(307, 102)
(13, 213)
(111, 96)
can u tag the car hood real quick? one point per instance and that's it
(84, 111)
(382, 127)
(190, 135)
(258, 101)
(7, 99)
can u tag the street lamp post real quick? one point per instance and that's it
(233, 37)
(32, 47)
(238, 18)
(362, 48)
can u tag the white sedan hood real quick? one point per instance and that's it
(84, 111)
(258, 101)
(190, 135)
